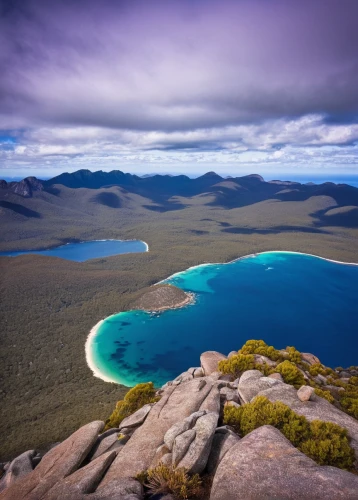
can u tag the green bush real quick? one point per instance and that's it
(328, 445)
(135, 398)
(318, 368)
(293, 355)
(324, 442)
(262, 412)
(291, 374)
(260, 347)
(324, 394)
(353, 381)
(163, 480)
(237, 364)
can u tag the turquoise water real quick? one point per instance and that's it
(282, 298)
(86, 250)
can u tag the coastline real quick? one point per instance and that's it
(89, 356)
(254, 255)
(189, 300)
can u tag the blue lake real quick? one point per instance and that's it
(86, 250)
(280, 297)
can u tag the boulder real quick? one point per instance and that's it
(180, 427)
(232, 403)
(264, 360)
(17, 469)
(250, 374)
(305, 392)
(309, 358)
(177, 403)
(103, 443)
(57, 464)
(197, 444)
(228, 394)
(82, 481)
(184, 377)
(136, 418)
(159, 454)
(181, 445)
(212, 401)
(199, 372)
(209, 361)
(264, 465)
(250, 387)
(276, 376)
(224, 439)
(231, 354)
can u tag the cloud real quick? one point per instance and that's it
(92, 80)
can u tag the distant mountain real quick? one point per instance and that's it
(24, 188)
(172, 192)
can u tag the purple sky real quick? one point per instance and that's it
(266, 86)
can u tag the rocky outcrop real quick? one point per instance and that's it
(184, 429)
(161, 297)
(264, 465)
(224, 439)
(177, 403)
(18, 468)
(252, 382)
(209, 361)
(57, 464)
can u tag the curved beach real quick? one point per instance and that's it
(89, 342)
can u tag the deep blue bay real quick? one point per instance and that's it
(86, 250)
(283, 298)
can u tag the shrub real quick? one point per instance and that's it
(324, 394)
(324, 442)
(135, 398)
(262, 412)
(260, 347)
(328, 445)
(318, 368)
(291, 374)
(353, 381)
(163, 479)
(350, 405)
(237, 364)
(293, 355)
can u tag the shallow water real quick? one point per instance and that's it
(87, 250)
(282, 298)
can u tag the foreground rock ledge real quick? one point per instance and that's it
(184, 428)
(161, 297)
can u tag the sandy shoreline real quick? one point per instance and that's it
(188, 300)
(254, 255)
(89, 357)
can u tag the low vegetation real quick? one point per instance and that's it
(324, 442)
(291, 374)
(324, 394)
(163, 479)
(237, 364)
(135, 399)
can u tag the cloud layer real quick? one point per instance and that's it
(99, 84)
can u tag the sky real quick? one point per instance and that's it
(184, 86)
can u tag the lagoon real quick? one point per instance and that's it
(283, 298)
(86, 250)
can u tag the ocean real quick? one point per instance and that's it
(283, 298)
